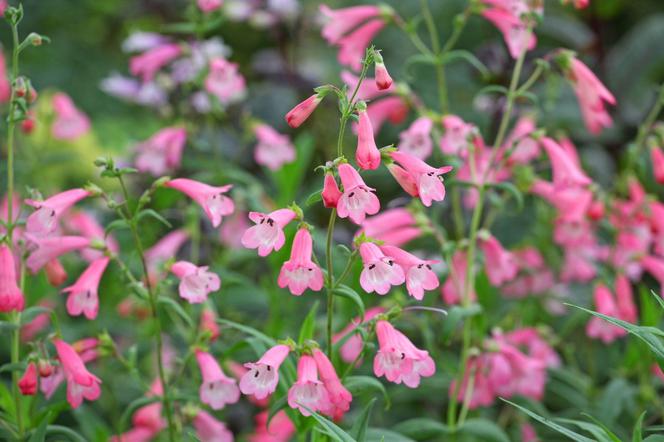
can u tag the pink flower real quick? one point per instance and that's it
(196, 283)
(38, 323)
(566, 170)
(342, 21)
(528, 433)
(11, 297)
(208, 6)
(520, 146)
(429, 184)
(268, 233)
(395, 227)
(357, 199)
(55, 273)
(217, 389)
(86, 225)
(70, 123)
(308, 391)
(572, 202)
(455, 287)
(352, 47)
(212, 199)
(404, 179)
(367, 154)
(83, 298)
(281, 429)
(50, 248)
(300, 272)
(162, 152)
(135, 434)
(352, 348)
(367, 91)
(500, 265)
(263, 376)
(597, 327)
(299, 114)
(340, 397)
(208, 324)
(5, 87)
(416, 140)
(655, 266)
(224, 81)
(379, 271)
(455, 140)
(393, 109)
(516, 34)
(149, 416)
(209, 429)
(398, 359)
(383, 79)
(29, 381)
(657, 159)
(625, 299)
(228, 233)
(419, 276)
(166, 248)
(80, 382)
(147, 64)
(44, 220)
(273, 149)
(482, 392)
(530, 340)
(331, 192)
(592, 96)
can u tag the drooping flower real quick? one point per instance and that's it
(163, 250)
(416, 140)
(366, 154)
(392, 109)
(225, 82)
(196, 283)
(263, 376)
(268, 233)
(29, 381)
(341, 21)
(429, 184)
(83, 297)
(597, 327)
(331, 192)
(657, 159)
(70, 123)
(149, 416)
(625, 299)
(5, 87)
(299, 114)
(150, 62)
(518, 37)
(455, 139)
(162, 152)
(454, 288)
(55, 273)
(500, 264)
(566, 170)
(11, 297)
(367, 90)
(300, 272)
(212, 199)
(383, 79)
(419, 276)
(39, 322)
(44, 220)
(340, 398)
(84, 224)
(352, 348)
(217, 389)
(280, 428)
(208, 6)
(209, 429)
(352, 46)
(80, 382)
(273, 149)
(208, 324)
(308, 391)
(379, 271)
(357, 200)
(49, 248)
(394, 227)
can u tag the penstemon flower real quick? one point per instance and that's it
(454, 287)
(564, 164)
(357, 199)
(331, 192)
(208, 323)
(209, 429)
(45, 219)
(84, 224)
(212, 199)
(150, 62)
(366, 154)
(605, 304)
(499, 264)
(308, 391)
(11, 297)
(263, 376)
(217, 389)
(353, 46)
(419, 276)
(55, 273)
(225, 82)
(518, 37)
(299, 114)
(280, 428)
(383, 79)
(268, 233)
(70, 123)
(340, 398)
(416, 140)
(49, 248)
(208, 6)
(81, 384)
(352, 348)
(429, 183)
(196, 283)
(657, 160)
(273, 149)
(29, 381)
(83, 297)
(300, 272)
(379, 271)
(162, 152)
(342, 21)
(394, 227)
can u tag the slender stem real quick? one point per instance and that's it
(349, 266)
(511, 95)
(467, 396)
(330, 280)
(435, 46)
(650, 119)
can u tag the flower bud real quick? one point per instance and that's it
(28, 383)
(302, 111)
(331, 192)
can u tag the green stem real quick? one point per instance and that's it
(511, 95)
(347, 269)
(650, 119)
(330, 280)
(435, 46)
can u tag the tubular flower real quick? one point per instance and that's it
(300, 272)
(367, 154)
(83, 297)
(217, 389)
(419, 276)
(80, 382)
(565, 166)
(29, 381)
(268, 233)
(162, 152)
(455, 140)
(500, 265)
(299, 114)
(209, 324)
(263, 376)
(50, 248)
(592, 96)
(273, 149)
(340, 397)
(212, 199)
(225, 82)
(455, 287)
(657, 159)
(209, 429)
(148, 64)
(331, 192)
(11, 297)
(383, 79)
(353, 46)
(357, 200)
(70, 123)
(308, 391)
(516, 34)
(380, 271)
(394, 227)
(416, 140)
(208, 6)
(342, 21)
(429, 184)
(280, 428)
(196, 283)
(55, 273)
(84, 224)
(44, 220)
(597, 327)
(352, 348)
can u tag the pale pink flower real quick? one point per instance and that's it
(340, 397)
(341, 21)
(625, 299)
(225, 82)
(482, 393)
(499, 264)
(299, 114)
(456, 138)
(520, 147)
(150, 62)
(281, 429)
(572, 202)
(38, 323)
(655, 266)
(70, 123)
(228, 232)
(308, 391)
(352, 347)
(300, 272)
(83, 297)
(352, 46)
(135, 434)
(11, 297)
(217, 389)
(162, 152)
(209, 429)
(357, 199)
(516, 34)
(5, 87)
(530, 340)
(163, 250)
(416, 140)
(428, 179)
(419, 276)
(208, 6)
(565, 167)
(44, 220)
(392, 109)
(50, 248)
(268, 233)
(86, 225)
(394, 227)
(208, 324)
(331, 192)
(80, 382)
(149, 416)
(263, 376)
(196, 283)
(379, 271)
(273, 149)
(598, 328)
(366, 154)
(455, 286)
(55, 273)
(212, 199)
(592, 96)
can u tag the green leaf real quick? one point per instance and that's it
(64, 431)
(455, 315)
(249, 330)
(637, 435)
(31, 313)
(598, 432)
(512, 190)
(654, 438)
(314, 198)
(484, 430)
(359, 429)
(171, 304)
(150, 213)
(334, 431)
(16, 366)
(469, 58)
(359, 385)
(658, 298)
(40, 433)
(115, 225)
(346, 292)
(135, 405)
(308, 325)
(383, 435)
(549, 423)
(422, 428)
